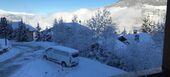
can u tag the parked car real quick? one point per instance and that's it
(63, 55)
(4, 47)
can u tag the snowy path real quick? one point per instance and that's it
(13, 60)
(11, 53)
(29, 63)
(86, 68)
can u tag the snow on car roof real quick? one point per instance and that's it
(65, 49)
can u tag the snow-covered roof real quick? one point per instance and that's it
(65, 49)
(143, 37)
(15, 25)
(76, 26)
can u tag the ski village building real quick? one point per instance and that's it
(30, 33)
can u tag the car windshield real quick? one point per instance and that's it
(75, 55)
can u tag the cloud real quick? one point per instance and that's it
(15, 13)
(124, 17)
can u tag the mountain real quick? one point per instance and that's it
(128, 3)
(125, 13)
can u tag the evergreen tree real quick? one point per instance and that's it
(21, 34)
(147, 25)
(124, 32)
(74, 19)
(5, 29)
(60, 21)
(46, 35)
(38, 33)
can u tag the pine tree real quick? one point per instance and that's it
(74, 19)
(38, 33)
(5, 28)
(22, 32)
(124, 32)
(147, 25)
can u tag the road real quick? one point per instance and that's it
(9, 66)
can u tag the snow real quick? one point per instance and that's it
(86, 68)
(143, 37)
(10, 54)
(43, 44)
(128, 17)
(16, 13)
(89, 68)
(15, 25)
(2, 44)
(155, 7)
(65, 49)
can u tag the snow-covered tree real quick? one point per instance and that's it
(21, 34)
(38, 33)
(104, 36)
(124, 32)
(5, 29)
(148, 26)
(138, 56)
(100, 22)
(74, 19)
(46, 35)
(102, 25)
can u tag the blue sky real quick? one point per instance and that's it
(50, 6)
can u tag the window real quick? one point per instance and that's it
(113, 37)
(75, 55)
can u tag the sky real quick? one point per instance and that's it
(50, 6)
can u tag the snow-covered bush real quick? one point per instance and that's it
(140, 55)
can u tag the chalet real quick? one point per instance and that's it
(30, 33)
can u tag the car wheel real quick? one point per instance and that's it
(5, 50)
(63, 64)
(45, 57)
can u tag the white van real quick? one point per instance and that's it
(63, 55)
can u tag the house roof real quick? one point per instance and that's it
(15, 25)
(144, 37)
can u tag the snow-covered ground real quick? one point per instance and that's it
(31, 64)
(86, 68)
(11, 53)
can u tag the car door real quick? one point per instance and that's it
(53, 54)
(50, 53)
